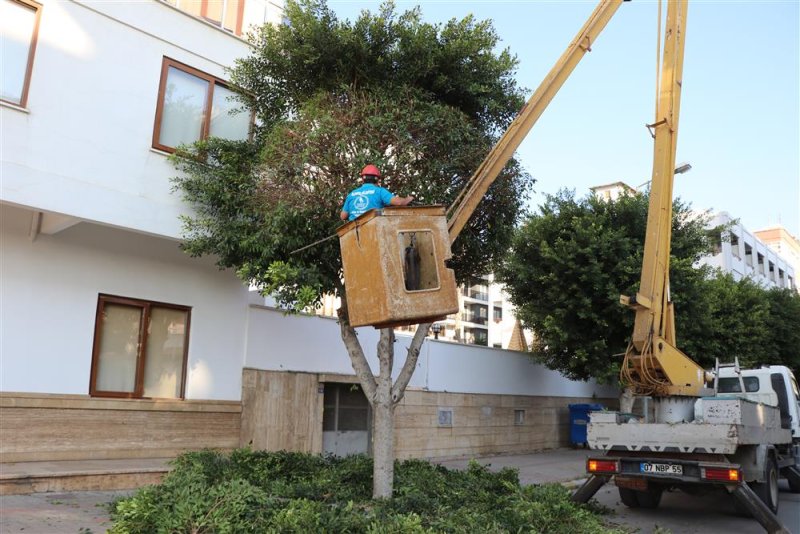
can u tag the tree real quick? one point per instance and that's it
(784, 317)
(569, 264)
(424, 102)
(571, 261)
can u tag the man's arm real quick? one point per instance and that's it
(401, 201)
(344, 215)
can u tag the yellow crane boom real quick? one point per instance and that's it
(470, 196)
(653, 364)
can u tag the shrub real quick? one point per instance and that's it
(255, 491)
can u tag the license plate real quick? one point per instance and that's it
(661, 469)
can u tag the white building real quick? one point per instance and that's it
(738, 251)
(742, 254)
(116, 344)
(785, 244)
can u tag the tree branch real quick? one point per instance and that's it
(357, 358)
(386, 347)
(399, 388)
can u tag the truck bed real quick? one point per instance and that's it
(721, 425)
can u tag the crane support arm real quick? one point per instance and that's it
(469, 198)
(653, 365)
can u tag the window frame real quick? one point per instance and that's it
(141, 357)
(23, 100)
(168, 62)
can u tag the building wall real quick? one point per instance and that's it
(82, 146)
(282, 343)
(50, 287)
(733, 256)
(785, 244)
(282, 410)
(44, 427)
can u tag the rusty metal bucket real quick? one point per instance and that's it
(394, 267)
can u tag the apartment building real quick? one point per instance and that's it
(742, 254)
(785, 244)
(738, 251)
(105, 321)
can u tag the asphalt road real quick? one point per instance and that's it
(681, 513)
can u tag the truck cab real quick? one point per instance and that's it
(773, 385)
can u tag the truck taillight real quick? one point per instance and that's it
(602, 466)
(722, 474)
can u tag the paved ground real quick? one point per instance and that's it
(81, 512)
(86, 512)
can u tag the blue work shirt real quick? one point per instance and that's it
(365, 198)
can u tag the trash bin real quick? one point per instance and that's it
(578, 418)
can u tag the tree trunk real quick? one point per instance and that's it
(382, 394)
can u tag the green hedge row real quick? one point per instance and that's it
(286, 492)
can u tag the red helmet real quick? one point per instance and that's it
(371, 170)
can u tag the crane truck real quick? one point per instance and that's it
(731, 428)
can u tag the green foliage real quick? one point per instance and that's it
(454, 64)
(783, 347)
(246, 491)
(422, 101)
(571, 261)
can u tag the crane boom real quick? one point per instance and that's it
(469, 198)
(653, 364)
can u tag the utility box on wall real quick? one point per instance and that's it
(394, 267)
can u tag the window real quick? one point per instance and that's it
(140, 349)
(419, 260)
(227, 14)
(445, 417)
(345, 408)
(761, 267)
(731, 385)
(497, 313)
(748, 254)
(193, 105)
(735, 245)
(519, 417)
(19, 27)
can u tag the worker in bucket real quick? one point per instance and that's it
(370, 196)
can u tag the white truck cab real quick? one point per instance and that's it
(773, 385)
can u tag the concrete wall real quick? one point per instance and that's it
(283, 343)
(282, 410)
(49, 292)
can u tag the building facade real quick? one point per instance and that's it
(785, 244)
(742, 254)
(771, 261)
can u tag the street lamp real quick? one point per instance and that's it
(436, 328)
(682, 168)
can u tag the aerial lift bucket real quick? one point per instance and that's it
(394, 267)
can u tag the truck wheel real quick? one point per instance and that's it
(628, 497)
(767, 491)
(650, 498)
(794, 481)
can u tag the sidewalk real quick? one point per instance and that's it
(86, 512)
(559, 465)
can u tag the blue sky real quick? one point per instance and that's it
(740, 107)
